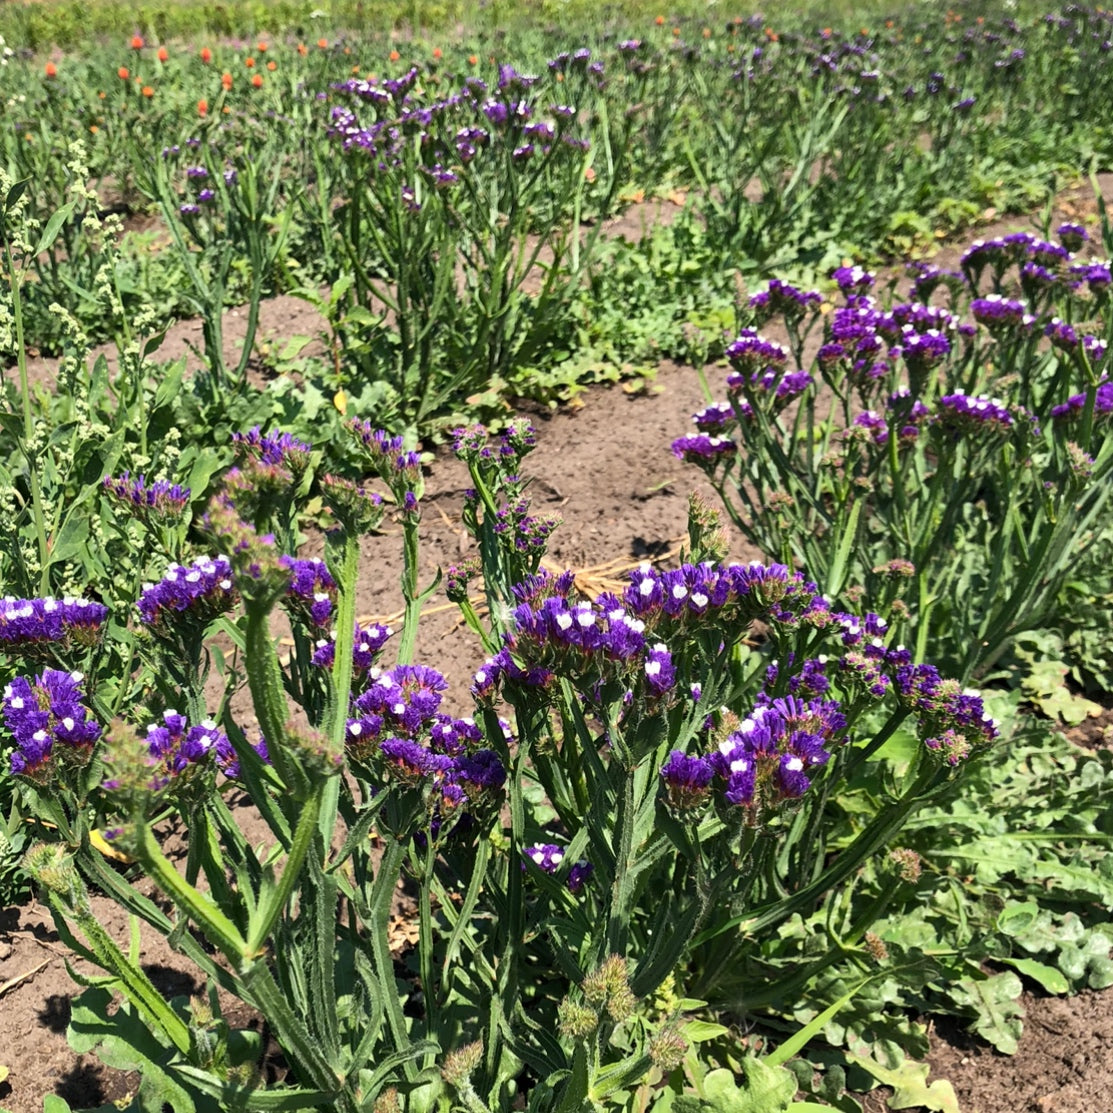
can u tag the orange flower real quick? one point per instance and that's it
(437, 53)
(303, 50)
(101, 94)
(272, 65)
(147, 91)
(94, 129)
(249, 62)
(707, 32)
(163, 54)
(473, 60)
(257, 81)
(202, 107)
(394, 55)
(660, 21)
(676, 32)
(206, 55)
(226, 110)
(355, 71)
(226, 81)
(137, 42)
(322, 44)
(51, 70)
(261, 47)
(122, 73)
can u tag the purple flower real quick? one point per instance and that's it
(998, 312)
(547, 857)
(31, 625)
(312, 591)
(175, 746)
(660, 674)
(368, 644)
(194, 593)
(162, 500)
(686, 780)
(278, 449)
(703, 448)
(852, 280)
(970, 413)
(49, 722)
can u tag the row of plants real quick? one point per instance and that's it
(442, 205)
(726, 795)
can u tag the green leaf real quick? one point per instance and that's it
(53, 226)
(1047, 977)
(998, 1012)
(122, 1041)
(910, 1085)
(699, 1030)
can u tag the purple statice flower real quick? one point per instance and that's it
(411, 762)
(1098, 276)
(312, 591)
(194, 593)
(49, 722)
(369, 642)
(478, 773)
(197, 173)
(275, 449)
(162, 500)
(874, 424)
(784, 300)
(852, 280)
(944, 706)
(189, 209)
(715, 418)
(30, 626)
(751, 352)
(766, 761)
(548, 857)
(175, 746)
(970, 413)
(206, 196)
(1075, 405)
(922, 351)
(997, 312)
(1047, 255)
(228, 761)
(784, 387)
(703, 449)
(686, 781)
(1061, 334)
(660, 673)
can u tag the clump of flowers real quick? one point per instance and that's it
(161, 501)
(369, 642)
(32, 627)
(191, 594)
(549, 858)
(50, 723)
(311, 595)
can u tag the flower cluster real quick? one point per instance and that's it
(311, 595)
(177, 749)
(49, 722)
(34, 626)
(161, 501)
(194, 593)
(398, 467)
(396, 725)
(1075, 405)
(548, 858)
(963, 413)
(368, 644)
(280, 450)
(953, 721)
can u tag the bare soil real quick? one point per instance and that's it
(606, 468)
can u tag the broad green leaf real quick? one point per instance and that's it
(995, 1001)
(1048, 977)
(910, 1085)
(699, 1030)
(53, 227)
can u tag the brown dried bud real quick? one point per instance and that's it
(459, 1064)
(908, 862)
(667, 1049)
(876, 948)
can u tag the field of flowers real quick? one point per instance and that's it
(712, 827)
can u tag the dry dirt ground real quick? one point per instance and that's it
(607, 470)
